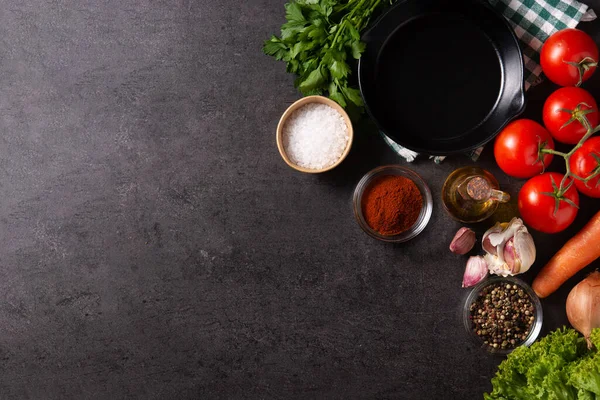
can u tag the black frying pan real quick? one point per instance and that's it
(442, 76)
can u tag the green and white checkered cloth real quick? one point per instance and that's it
(533, 22)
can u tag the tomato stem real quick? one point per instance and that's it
(582, 67)
(577, 114)
(558, 192)
(551, 151)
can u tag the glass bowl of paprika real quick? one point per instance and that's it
(392, 203)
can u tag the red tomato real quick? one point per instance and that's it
(583, 164)
(567, 57)
(574, 99)
(517, 148)
(542, 206)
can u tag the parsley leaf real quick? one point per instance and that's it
(358, 48)
(314, 80)
(339, 70)
(353, 32)
(353, 95)
(276, 48)
(293, 12)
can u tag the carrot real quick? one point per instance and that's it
(581, 250)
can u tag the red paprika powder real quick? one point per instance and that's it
(391, 204)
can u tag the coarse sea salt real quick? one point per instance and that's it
(315, 136)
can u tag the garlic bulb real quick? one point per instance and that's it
(509, 247)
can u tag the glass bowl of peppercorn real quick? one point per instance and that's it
(501, 314)
(392, 203)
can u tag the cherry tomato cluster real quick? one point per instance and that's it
(549, 201)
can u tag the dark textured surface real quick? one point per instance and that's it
(153, 245)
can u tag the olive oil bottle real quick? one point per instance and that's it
(472, 194)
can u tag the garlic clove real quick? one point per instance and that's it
(510, 258)
(501, 232)
(490, 234)
(463, 241)
(475, 272)
(524, 249)
(497, 266)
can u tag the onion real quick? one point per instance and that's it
(583, 305)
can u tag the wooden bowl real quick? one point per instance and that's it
(307, 100)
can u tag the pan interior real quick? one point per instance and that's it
(437, 78)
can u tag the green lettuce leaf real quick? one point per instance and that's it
(585, 395)
(543, 371)
(555, 387)
(586, 374)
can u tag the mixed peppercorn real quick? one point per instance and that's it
(502, 315)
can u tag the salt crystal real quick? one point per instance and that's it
(315, 136)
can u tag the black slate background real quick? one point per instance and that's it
(153, 245)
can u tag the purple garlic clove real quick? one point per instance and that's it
(475, 272)
(510, 258)
(463, 241)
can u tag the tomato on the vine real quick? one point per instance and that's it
(585, 162)
(564, 111)
(517, 148)
(546, 208)
(569, 57)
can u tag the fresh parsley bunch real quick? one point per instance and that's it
(318, 40)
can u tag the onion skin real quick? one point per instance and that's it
(583, 305)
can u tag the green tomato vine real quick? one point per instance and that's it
(578, 114)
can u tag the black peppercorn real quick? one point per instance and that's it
(502, 315)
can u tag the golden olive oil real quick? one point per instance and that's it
(471, 194)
